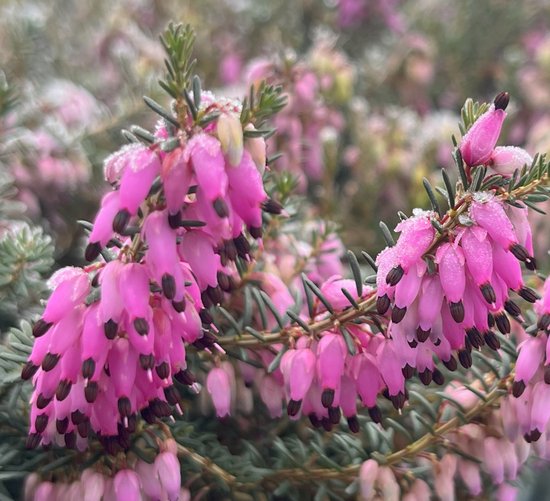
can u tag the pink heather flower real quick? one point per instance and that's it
(367, 477)
(102, 231)
(169, 475)
(149, 480)
(450, 259)
(507, 492)
(540, 410)
(143, 166)
(209, 165)
(478, 254)
(302, 371)
(390, 368)
(507, 159)
(219, 387)
(417, 234)
(246, 191)
(487, 211)
(162, 258)
(470, 475)
(492, 459)
(176, 175)
(331, 355)
(126, 486)
(271, 393)
(93, 485)
(44, 492)
(479, 142)
(407, 288)
(369, 380)
(444, 478)
(332, 290)
(115, 164)
(70, 286)
(197, 248)
(531, 355)
(429, 303)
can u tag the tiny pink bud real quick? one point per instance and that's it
(230, 134)
(506, 159)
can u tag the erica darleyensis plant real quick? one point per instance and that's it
(112, 339)
(199, 281)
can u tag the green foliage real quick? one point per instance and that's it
(178, 41)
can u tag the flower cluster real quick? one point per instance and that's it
(160, 479)
(114, 345)
(527, 412)
(310, 122)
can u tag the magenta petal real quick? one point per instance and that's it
(134, 290)
(302, 371)
(417, 234)
(478, 253)
(110, 305)
(407, 288)
(487, 211)
(122, 362)
(72, 285)
(198, 250)
(143, 167)
(331, 357)
(451, 271)
(176, 178)
(219, 387)
(209, 165)
(126, 486)
(429, 305)
(103, 223)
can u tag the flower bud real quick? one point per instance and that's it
(479, 142)
(230, 134)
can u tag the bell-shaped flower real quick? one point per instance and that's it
(169, 475)
(70, 287)
(505, 160)
(126, 486)
(209, 165)
(450, 259)
(219, 387)
(142, 169)
(176, 175)
(331, 357)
